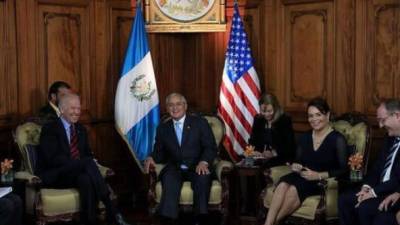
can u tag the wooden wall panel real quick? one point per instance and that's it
(308, 53)
(343, 98)
(63, 47)
(8, 63)
(384, 58)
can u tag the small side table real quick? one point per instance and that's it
(248, 172)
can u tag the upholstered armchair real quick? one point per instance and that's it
(219, 194)
(47, 205)
(323, 208)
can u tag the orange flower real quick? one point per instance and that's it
(6, 165)
(249, 150)
(356, 161)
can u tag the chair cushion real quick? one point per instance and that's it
(307, 209)
(187, 193)
(59, 201)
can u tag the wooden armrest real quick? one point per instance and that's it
(153, 175)
(27, 177)
(223, 168)
(329, 183)
(105, 171)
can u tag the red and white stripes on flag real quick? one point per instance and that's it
(240, 90)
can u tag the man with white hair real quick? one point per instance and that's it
(67, 162)
(187, 145)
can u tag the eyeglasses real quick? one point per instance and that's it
(382, 120)
(178, 104)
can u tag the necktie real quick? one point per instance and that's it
(178, 131)
(73, 145)
(389, 158)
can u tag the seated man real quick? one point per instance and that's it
(67, 162)
(187, 145)
(50, 111)
(362, 206)
(391, 205)
(11, 210)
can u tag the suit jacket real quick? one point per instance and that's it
(282, 137)
(55, 151)
(373, 177)
(198, 143)
(47, 114)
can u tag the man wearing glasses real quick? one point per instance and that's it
(186, 144)
(368, 205)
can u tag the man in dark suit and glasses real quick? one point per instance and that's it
(187, 145)
(362, 206)
(67, 162)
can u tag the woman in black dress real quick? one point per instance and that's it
(321, 153)
(272, 133)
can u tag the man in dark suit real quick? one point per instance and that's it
(50, 111)
(363, 206)
(67, 161)
(187, 145)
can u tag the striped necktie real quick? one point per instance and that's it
(73, 145)
(388, 161)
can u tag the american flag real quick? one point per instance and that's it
(240, 90)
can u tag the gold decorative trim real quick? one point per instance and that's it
(166, 16)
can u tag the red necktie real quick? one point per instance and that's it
(73, 145)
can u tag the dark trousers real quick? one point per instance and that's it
(11, 208)
(84, 175)
(172, 179)
(367, 213)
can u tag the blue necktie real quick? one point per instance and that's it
(178, 131)
(388, 160)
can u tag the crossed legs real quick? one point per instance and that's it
(284, 202)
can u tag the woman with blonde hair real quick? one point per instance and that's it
(272, 133)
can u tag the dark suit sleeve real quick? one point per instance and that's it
(373, 177)
(86, 151)
(50, 149)
(208, 145)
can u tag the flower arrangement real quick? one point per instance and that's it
(6, 166)
(356, 161)
(249, 151)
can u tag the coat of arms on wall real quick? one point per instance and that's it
(185, 15)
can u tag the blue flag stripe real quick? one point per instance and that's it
(138, 137)
(137, 46)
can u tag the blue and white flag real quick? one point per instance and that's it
(137, 113)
